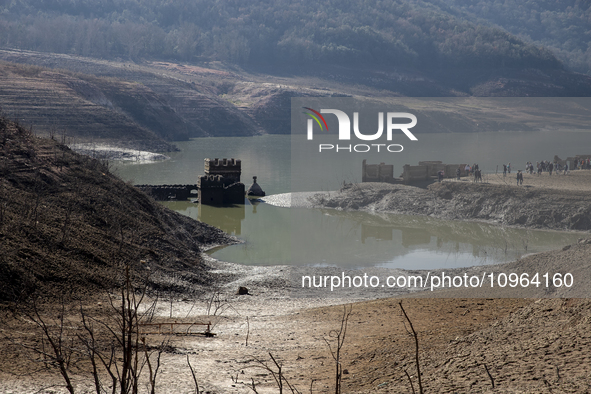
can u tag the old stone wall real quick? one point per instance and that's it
(433, 167)
(415, 173)
(377, 172)
(169, 192)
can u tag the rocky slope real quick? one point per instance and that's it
(174, 101)
(170, 102)
(86, 108)
(67, 225)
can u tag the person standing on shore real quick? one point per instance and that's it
(566, 169)
(509, 168)
(519, 178)
(504, 170)
(477, 176)
(458, 171)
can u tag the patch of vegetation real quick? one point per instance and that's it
(561, 26)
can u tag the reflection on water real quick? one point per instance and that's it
(299, 236)
(359, 239)
(227, 218)
(377, 232)
(413, 242)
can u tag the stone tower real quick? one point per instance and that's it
(221, 183)
(230, 169)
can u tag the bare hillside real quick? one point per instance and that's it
(67, 224)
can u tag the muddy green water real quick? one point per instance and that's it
(298, 236)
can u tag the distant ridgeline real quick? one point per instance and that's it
(219, 186)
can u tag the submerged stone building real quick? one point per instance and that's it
(221, 183)
(255, 189)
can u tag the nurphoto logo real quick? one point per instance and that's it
(344, 130)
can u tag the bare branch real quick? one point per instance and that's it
(412, 386)
(195, 377)
(492, 381)
(340, 339)
(414, 333)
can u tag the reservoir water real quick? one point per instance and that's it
(297, 236)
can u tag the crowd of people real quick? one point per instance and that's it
(547, 166)
(539, 168)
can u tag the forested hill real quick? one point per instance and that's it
(412, 34)
(564, 26)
